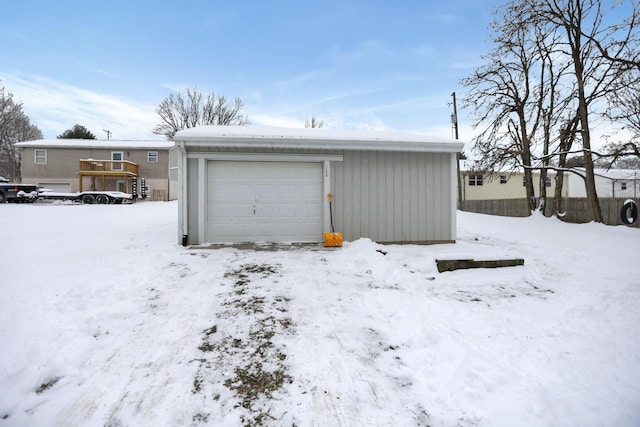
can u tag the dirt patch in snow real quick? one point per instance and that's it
(255, 363)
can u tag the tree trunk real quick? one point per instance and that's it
(590, 183)
(526, 161)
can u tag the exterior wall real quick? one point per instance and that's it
(493, 189)
(605, 187)
(394, 197)
(384, 196)
(192, 200)
(62, 167)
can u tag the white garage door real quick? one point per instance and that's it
(264, 202)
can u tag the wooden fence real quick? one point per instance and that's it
(575, 210)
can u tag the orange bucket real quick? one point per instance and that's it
(332, 240)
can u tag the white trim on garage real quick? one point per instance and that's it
(267, 157)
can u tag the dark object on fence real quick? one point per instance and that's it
(629, 212)
(460, 264)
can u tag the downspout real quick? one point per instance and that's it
(183, 213)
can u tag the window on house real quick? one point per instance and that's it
(152, 156)
(623, 185)
(475, 180)
(503, 179)
(40, 157)
(116, 156)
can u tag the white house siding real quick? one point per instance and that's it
(394, 197)
(493, 189)
(608, 183)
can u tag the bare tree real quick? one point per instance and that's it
(314, 123)
(14, 127)
(179, 112)
(508, 104)
(597, 49)
(624, 109)
(531, 94)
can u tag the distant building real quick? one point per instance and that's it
(609, 183)
(508, 185)
(71, 165)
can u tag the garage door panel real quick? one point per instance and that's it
(231, 191)
(264, 201)
(230, 212)
(285, 213)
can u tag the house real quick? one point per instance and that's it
(508, 185)
(609, 183)
(253, 184)
(72, 165)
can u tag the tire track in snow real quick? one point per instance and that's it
(147, 363)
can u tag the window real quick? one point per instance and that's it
(117, 156)
(503, 179)
(152, 157)
(623, 185)
(475, 180)
(40, 157)
(547, 182)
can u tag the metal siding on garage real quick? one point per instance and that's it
(393, 197)
(192, 200)
(264, 202)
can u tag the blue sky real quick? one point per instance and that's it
(355, 64)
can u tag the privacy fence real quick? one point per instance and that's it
(575, 210)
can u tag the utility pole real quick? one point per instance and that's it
(454, 116)
(108, 133)
(454, 121)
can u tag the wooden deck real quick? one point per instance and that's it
(103, 169)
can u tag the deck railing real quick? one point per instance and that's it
(89, 167)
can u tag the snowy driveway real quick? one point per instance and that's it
(106, 321)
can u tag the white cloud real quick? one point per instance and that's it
(55, 106)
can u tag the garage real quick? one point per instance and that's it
(264, 202)
(253, 184)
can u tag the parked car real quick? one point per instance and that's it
(12, 192)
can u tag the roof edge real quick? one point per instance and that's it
(349, 145)
(313, 138)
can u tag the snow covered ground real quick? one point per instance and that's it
(106, 321)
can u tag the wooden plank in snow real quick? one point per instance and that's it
(459, 264)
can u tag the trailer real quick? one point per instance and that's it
(89, 197)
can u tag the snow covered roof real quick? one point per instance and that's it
(313, 138)
(616, 174)
(95, 143)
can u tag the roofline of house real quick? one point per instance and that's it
(95, 143)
